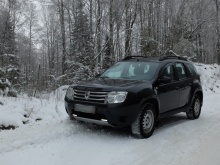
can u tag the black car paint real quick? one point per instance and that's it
(122, 114)
(168, 99)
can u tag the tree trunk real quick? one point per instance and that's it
(90, 16)
(129, 22)
(158, 32)
(141, 34)
(218, 32)
(111, 28)
(62, 24)
(98, 31)
(127, 28)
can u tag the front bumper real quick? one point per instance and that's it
(87, 120)
(115, 115)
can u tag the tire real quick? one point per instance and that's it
(70, 115)
(195, 110)
(144, 124)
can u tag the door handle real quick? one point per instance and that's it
(177, 88)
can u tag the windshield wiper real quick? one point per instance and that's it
(125, 77)
(104, 77)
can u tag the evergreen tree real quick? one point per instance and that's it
(7, 35)
(9, 62)
(82, 43)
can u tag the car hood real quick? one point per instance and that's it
(108, 84)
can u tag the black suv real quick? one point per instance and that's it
(136, 92)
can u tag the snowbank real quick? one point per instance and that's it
(210, 77)
(23, 109)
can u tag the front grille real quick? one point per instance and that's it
(90, 96)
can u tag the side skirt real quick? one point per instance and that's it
(173, 112)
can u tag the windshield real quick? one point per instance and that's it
(132, 70)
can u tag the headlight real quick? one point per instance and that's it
(70, 93)
(116, 97)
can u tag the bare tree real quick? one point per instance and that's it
(217, 17)
(62, 25)
(130, 17)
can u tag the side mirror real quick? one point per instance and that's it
(164, 80)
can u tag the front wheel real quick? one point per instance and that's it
(195, 110)
(144, 125)
(70, 115)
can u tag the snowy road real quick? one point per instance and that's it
(60, 141)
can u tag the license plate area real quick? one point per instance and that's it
(84, 108)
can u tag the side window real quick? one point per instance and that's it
(169, 72)
(181, 71)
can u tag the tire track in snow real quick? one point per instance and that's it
(41, 132)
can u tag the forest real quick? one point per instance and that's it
(48, 43)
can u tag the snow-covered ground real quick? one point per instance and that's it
(23, 109)
(46, 136)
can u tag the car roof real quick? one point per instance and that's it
(161, 59)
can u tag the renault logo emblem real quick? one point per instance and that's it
(87, 94)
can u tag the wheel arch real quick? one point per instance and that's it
(155, 102)
(200, 93)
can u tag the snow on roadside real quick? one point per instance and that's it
(210, 77)
(23, 109)
(178, 141)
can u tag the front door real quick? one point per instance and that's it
(168, 93)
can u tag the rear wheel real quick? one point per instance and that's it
(144, 125)
(195, 110)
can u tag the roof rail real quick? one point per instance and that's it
(172, 57)
(130, 57)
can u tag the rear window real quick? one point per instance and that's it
(192, 69)
(181, 70)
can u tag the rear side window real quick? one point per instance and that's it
(192, 69)
(169, 72)
(181, 70)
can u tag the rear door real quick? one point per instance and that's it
(168, 93)
(184, 83)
